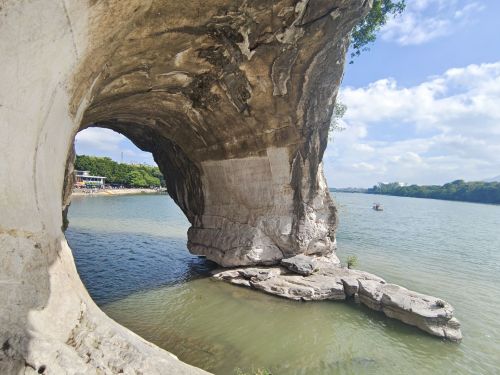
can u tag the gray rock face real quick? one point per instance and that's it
(311, 288)
(279, 281)
(234, 101)
(301, 264)
(335, 283)
(331, 282)
(428, 313)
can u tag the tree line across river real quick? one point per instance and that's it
(130, 175)
(139, 175)
(459, 190)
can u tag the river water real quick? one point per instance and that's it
(131, 255)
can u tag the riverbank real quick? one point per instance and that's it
(459, 190)
(105, 192)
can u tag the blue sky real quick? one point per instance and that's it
(423, 103)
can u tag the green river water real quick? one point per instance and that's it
(130, 252)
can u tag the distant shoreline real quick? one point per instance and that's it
(111, 192)
(413, 197)
(458, 191)
(349, 190)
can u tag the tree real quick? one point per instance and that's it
(365, 32)
(339, 111)
(120, 173)
(136, 179)
(459, 190)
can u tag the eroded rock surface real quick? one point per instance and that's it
(233, 99)
(428, 313)
(301, 264)
(332, 282)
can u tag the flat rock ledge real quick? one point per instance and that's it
(329, 281)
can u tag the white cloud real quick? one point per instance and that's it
(445, 128)
(362, 147)
(99, 139)
(106, 142)
(425, 20)
(364, 166)
(468, 10)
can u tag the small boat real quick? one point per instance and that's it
(377, 207)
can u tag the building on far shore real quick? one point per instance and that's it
(84, 179)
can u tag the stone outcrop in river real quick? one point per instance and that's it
(233, 99)
(330, 281)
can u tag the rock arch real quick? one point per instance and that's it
(233, 99)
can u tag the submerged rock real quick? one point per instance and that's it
(333, 282)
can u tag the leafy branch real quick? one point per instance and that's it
(365, 32)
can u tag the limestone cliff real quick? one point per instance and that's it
(233, 98)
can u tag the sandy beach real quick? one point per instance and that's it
(85, 192)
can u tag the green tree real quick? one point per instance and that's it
(151, 180)
(365, 32)
(339, 111)
(120, 173)
(136, 179)
(459, 190)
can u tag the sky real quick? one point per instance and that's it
(423, 103)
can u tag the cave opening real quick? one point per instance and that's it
(230, 100)
(125, 237)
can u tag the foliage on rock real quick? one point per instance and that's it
(365, 32)
(339, 111)
(352, 261)
(132, 175)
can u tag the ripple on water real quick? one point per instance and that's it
(131, 254)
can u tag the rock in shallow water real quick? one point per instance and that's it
(301, 264)
(428, 313)
(312, 288)
(333, 282)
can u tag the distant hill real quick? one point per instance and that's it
(494, 179)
